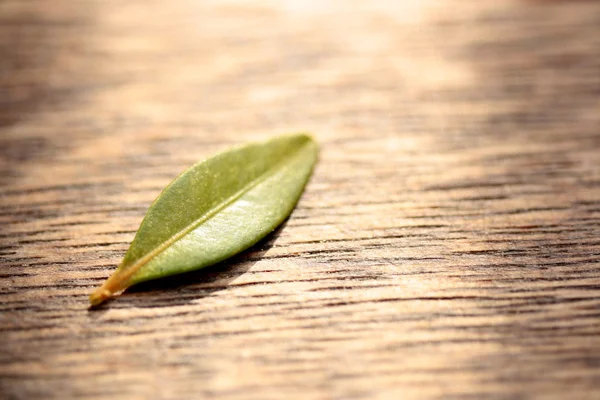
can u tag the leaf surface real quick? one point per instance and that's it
(216, 209)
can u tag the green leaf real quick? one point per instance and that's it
(216, 209)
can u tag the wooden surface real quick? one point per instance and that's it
(447, 246)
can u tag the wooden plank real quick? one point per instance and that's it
(447, 246)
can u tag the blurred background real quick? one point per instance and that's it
(226, 68)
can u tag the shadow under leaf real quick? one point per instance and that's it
(184, 288)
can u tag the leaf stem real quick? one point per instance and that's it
(115, 283)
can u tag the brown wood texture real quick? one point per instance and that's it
(447, 245)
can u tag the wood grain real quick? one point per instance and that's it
(447, 246)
